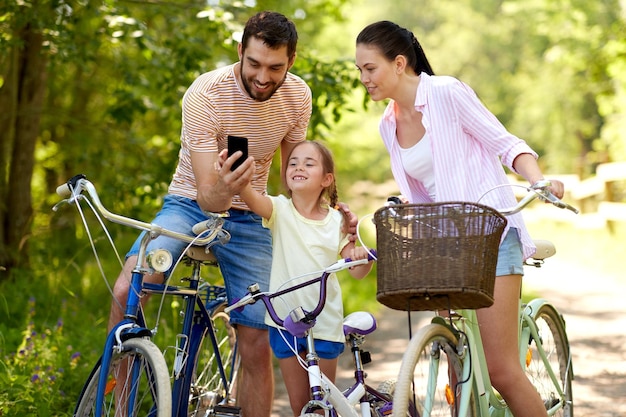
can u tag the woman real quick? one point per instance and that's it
(446, 146)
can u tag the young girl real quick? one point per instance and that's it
(308, 234)
(446, 146)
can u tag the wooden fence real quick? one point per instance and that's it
(601, 198)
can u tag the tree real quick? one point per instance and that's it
(24, 73)
(95, 87)
(551, 70)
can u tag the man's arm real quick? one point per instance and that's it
(285, 151)
(216, 183)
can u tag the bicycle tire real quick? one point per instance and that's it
(387, 388)
(430, 354)
(154, 396)
(552, 335)
(208, 389)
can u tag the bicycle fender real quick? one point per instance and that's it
(337, 399)
(135, 332)
(536, 304)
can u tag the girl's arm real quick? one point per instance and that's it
(257, 202)
(356, 252)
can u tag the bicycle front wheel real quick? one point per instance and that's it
(137, 384)
(429, 373)
(211, 388)
(553, 340)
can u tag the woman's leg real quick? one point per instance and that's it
(499, 331)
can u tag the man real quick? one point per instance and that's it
(259, 99)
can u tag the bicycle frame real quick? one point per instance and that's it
(323, 391)
(197, 321)
(464, 324)
(529, 329)
(197, 316)
(459, 337)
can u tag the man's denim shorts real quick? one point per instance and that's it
(246, 259)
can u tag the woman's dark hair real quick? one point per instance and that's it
(394, 40)
(274, 29)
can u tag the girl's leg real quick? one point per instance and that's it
(297, 383)
(499, 331)
(296, 380)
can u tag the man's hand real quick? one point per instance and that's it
(216, 183)
(234, 181)
(351, 221)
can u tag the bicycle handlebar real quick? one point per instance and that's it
(298, 317)
(538, 190)
(74, 188)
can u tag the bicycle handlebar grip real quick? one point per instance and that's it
(63, 190)
(201, 227)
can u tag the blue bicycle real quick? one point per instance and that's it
(132, 377)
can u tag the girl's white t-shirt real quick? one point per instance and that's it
(301, 249)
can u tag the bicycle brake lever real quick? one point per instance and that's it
(557, 202)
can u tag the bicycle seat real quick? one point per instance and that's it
(359, 322)
(545, 249)
(199, 253)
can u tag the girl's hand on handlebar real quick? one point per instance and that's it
(555, 187)
(356, 253)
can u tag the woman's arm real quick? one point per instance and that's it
(527, 166)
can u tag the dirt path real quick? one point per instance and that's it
(594, 308)
(595, 312)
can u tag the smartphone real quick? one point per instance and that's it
(237, 143)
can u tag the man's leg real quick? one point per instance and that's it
(121, 287)
(247, 259)
(255, 393)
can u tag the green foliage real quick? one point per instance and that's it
(553, 71)
(39, 377)
(547, 69)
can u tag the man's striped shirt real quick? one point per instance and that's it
(216, 106)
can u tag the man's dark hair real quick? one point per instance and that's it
(274, 29)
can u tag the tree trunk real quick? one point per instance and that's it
(26, 84)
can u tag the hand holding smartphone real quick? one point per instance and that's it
(237, 143)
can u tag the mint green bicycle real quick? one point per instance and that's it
(444, 371)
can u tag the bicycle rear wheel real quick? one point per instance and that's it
(424, 383)
(553, 339)
(209, 389)
(138, 382)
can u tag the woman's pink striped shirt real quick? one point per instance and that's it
(469, 148)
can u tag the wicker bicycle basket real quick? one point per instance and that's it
(437, 256)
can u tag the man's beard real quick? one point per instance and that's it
(255, 94)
